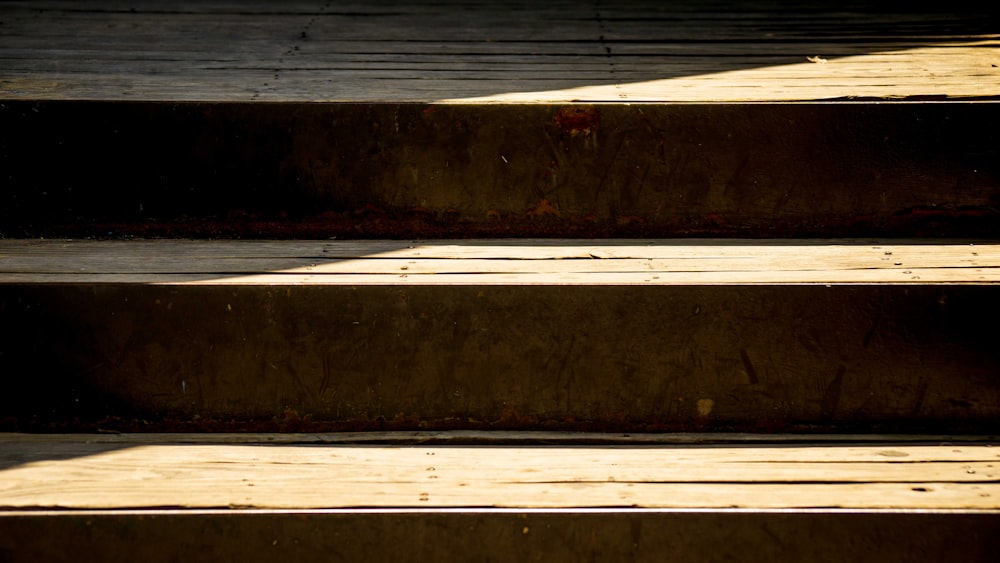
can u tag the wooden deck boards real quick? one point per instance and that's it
(485, 262)
(495, 52)
(409, 140)
(77, 474)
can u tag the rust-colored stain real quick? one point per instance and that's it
(577, 120)
(369, 210)
(631, 220)
(511, 418)
(543, 209)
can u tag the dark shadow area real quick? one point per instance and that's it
(556, 535)
(26, 449)
(253, 170)
(310, 358)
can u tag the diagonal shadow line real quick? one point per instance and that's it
(473, 49)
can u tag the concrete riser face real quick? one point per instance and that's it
(500, 535)
(628, 358)
(414, 170)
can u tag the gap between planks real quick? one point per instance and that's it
(498, 437)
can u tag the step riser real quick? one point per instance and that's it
(816, 397)
(501, 535)
(414, 170)
(618, 358)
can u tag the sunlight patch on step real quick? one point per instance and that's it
(945, 70)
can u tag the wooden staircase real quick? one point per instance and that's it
(431, 281)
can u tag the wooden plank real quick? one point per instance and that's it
(416, 266)
(658, 262)
(921, 252)
(960, 75)
(502, 249)
(299, 490)
(597, 452)
(493, 262)
(255, 476)
(42, 256)
(662, 262)
(578, 464)
(269, 52)
(563, 276)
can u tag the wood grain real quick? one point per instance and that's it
(663, 262)
(493, 52)
(541, 335)
(81, 475)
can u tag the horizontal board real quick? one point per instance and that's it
(88, 476)
(221, 51)
(502, 249)
(964, 73)
(494, 262)
(918, 276)
(31, 255)
(301, 491)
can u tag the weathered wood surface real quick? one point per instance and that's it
(460, 171)
(753, 336)
(498, 262)
(81, 475)
(490, 52)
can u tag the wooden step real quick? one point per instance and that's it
(79, 472)
(109, 497)
(489, 51)
(498, 119)
(617, 335)
(316, 121)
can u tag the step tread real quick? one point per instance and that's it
(760, 336)
(489, 52)
(495, 262)
(76, 473)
